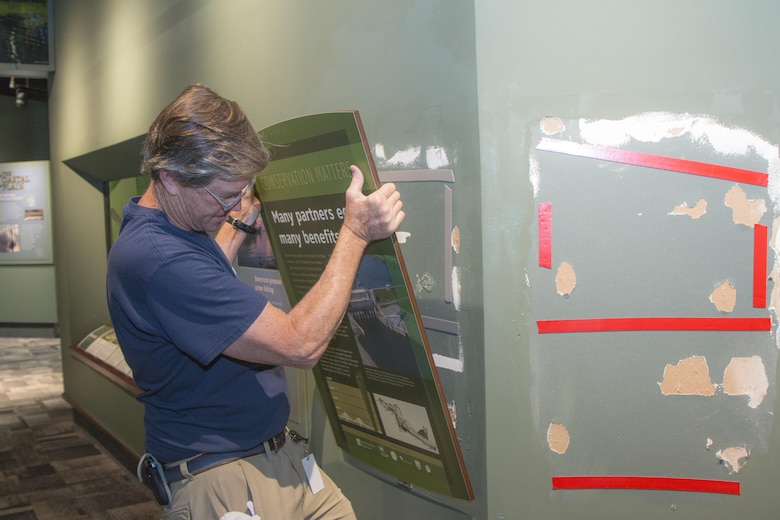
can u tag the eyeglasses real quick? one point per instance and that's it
(227, 204)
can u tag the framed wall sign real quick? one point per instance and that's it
(25, 213)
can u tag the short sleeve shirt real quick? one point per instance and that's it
(176, 304)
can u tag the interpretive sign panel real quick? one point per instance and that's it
(377, 378)
(100, 351)
(25, 213)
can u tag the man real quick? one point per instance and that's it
(207, 350)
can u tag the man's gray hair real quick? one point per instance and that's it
(202, 136)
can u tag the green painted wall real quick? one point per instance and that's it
(29, 295)
(605, 60)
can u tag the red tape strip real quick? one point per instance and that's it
(629, 324)
(659, 162)
(655, 483)
(760, 235)
(545, 235)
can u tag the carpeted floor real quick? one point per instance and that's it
(49, 467)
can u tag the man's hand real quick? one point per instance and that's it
(248, 210)
(375, 216)
(299, 337)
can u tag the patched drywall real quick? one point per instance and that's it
(666, 283)
(746, 376)
(558, 438)
(724, 297)
(744, 211)
(733, 458)
(691, 376)
(551, 126)
(565, 279)
(695, 212)
(455, 239)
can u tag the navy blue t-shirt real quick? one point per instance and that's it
(176, 304)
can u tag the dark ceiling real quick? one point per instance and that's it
(34, 88)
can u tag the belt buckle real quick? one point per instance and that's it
(276, 442)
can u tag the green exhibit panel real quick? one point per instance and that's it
(377, 379)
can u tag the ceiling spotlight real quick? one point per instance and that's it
(20, 101)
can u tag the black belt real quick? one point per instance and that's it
(207, 461)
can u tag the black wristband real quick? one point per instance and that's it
(246, 228)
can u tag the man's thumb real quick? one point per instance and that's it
(356, 185)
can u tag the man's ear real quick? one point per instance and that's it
(169, 183)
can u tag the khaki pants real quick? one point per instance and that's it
(274, 482)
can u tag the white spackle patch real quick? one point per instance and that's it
(558, 438)
(405, 157)
(724, 297)
(655, 126)
(425, 282)
(773, 187)
(744, 211)
(774, 295)
(565, 279)
(436, 157)
(691, 376)
(401, 236)
(695, 212)
(746, 376)
(733, 458)
(534, 174)
(456, 287)
(650, 127)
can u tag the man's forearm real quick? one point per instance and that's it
(320, 311)
(229, 239)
